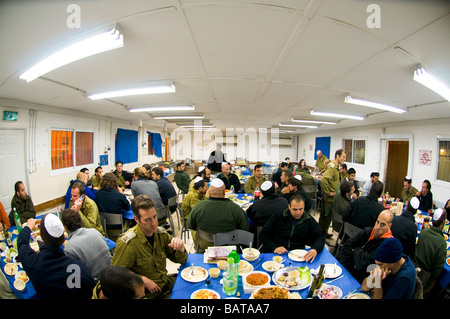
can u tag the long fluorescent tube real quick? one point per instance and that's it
(353, 117)
(390, 108)
(423, 77)
(312, 122)
(162, 108)
(111, 39)
(178, 117)
(148, 89)
(298, 125)
(196, 126)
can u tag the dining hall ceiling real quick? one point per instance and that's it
(242, 63)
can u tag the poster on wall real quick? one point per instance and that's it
(425, 157)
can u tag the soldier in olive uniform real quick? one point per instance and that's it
(144, 248)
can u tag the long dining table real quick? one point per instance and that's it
(183, 289)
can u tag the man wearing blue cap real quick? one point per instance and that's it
(394, 277)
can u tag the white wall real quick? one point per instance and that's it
(43, 184)
(422, 136)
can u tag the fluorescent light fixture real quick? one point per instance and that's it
(162, 108)
(146, 89)
(390, 108)
(298, 125)
(426, 79)
(353, 117)
(312, 122)
(196, 126)
(108, 40)
(178, 117)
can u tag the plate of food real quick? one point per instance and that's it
(11, 269)
(205, 294)
(297, 255)
(285, 278)
(330, 292)
(22, 275)
(358, 295)
(245, 267)
(273, 292)
(256, 279)
(194, 274)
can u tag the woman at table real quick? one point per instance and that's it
(302, 168)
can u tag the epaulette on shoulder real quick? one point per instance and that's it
(129, 235)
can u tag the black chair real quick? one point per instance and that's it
(201, 234)
(111, 221)
(349, 231)
(234, 237)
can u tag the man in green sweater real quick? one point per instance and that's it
(216, 214)
(431, 249)
(182, 178)
(22, 203)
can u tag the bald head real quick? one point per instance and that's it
(217, 192)
(383, 223)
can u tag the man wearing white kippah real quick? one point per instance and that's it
(204, 173)
(196, 194)
(51, 272)
(216, 214)
(431, 249)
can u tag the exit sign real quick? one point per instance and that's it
(9, 116)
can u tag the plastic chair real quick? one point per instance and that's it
(183, 223)
(163, 213)
(311, 190)
(112, 220)
(348, 231)
(201, 234)
(234, 237)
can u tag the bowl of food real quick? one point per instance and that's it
(250, 254)
(19, 284)
(222, 264)
(271, 266)
(257, 279)
(214, 272)
(11, 269)
(330, 292)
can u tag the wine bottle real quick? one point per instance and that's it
(6, 235)
(317, 283)
(17, 220)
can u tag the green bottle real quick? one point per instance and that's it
(317, 283)
(17, 220)
(231, 277)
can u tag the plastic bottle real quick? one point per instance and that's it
(232, 189)
(17, 220)
(257, 193)
(231, 277)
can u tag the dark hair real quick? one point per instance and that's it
(345, 187)
(288, 173)
(351, 170)
(118, 162)
(147, 167)
(408, 180)
(199, 184)
(80, 187)
(158, 171)
(300, 163)
(284, 164)
(339, 152)
(84, 169)
(297, 197)
(179, 164)
(344, 166)
(119, 283)
(295, 182)
(141, 202)
(97, 168)
(257, 166)
(377, 189)
(47, 238)
(109, 180)
(374, 174)
(17, 186)
(71, 219)
(428, 183)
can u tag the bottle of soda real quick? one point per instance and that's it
(17, 220)
(257, 193)
(231, 276)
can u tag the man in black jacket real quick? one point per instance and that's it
(261, 210)
(295, 188)
(291, 229)
(404, 227)
(229, 178)
(357, 252)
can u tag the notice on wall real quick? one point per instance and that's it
(425, 157)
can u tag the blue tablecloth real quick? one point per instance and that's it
(183, 289)
(30, 292)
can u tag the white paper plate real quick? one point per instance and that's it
(297, 255)
(336, 291)
(199, 274)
